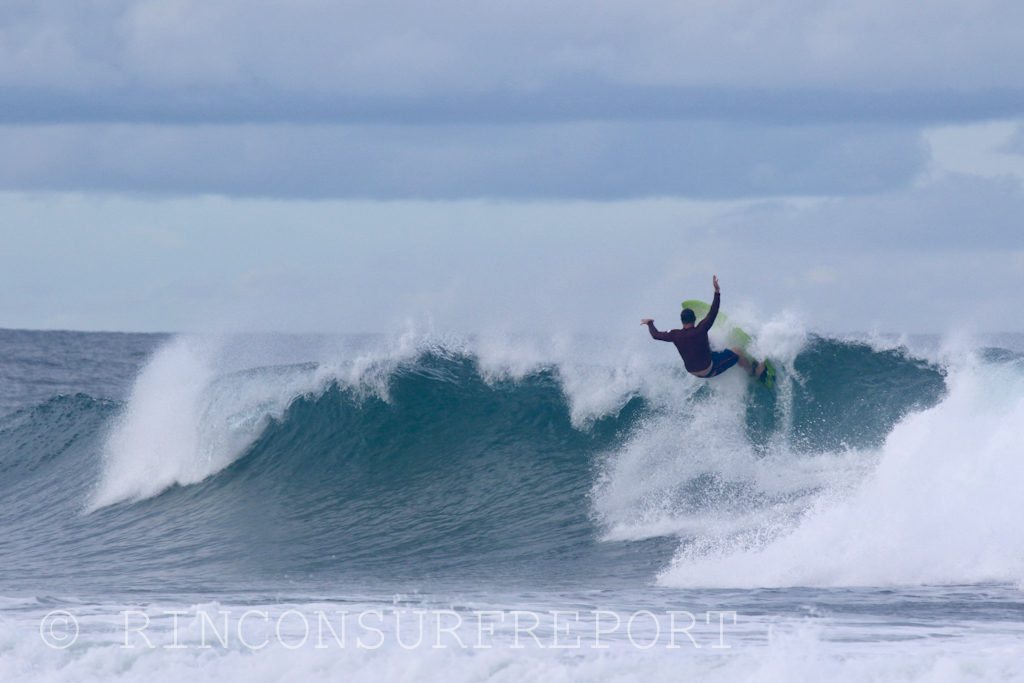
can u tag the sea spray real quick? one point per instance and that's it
(942, 505)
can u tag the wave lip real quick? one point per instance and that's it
(183, 422)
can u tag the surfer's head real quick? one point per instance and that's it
(688, 316)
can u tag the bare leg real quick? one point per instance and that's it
(744, 363)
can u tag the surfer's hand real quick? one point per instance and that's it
(714, 280)
(646, 320)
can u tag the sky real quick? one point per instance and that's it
(326, 166)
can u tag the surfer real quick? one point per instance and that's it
(695, 348)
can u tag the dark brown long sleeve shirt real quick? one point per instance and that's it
(692, 342)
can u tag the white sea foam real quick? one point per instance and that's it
(943, 505)
(691, 469)
(768, 649)
(938, 503)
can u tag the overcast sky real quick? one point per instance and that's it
(316, 165)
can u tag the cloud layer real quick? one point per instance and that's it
(401, 47)
(595, 160)
(453, 99)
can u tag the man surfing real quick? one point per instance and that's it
(695, 348)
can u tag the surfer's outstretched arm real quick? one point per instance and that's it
(709, 319)
(661, 336)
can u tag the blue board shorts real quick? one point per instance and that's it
(722, 361)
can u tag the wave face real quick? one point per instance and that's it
(456, 463)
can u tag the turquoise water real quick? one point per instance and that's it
(859, 521)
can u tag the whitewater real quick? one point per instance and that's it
(438, 507)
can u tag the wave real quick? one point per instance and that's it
(513, 463)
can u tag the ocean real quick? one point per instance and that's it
(436, 507)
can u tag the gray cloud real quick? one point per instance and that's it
(453, 99)
(391, 46)
(572, 100)
(578, 160)
(957, 212)
(778, 61)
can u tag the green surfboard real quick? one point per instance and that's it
(736, 336)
